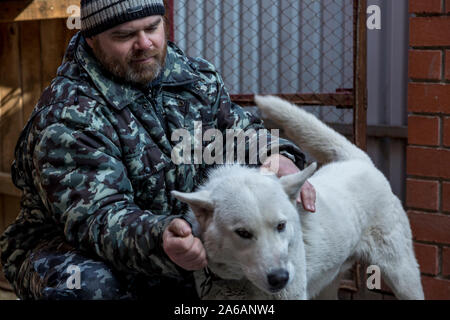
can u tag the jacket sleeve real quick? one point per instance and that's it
(84, 185)
(233, 116)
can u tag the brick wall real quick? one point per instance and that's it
(428, 153)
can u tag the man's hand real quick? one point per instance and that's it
(283, 166)
(182, 247)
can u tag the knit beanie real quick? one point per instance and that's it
(100, 15)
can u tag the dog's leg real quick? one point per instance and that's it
(404, 279)
(394, 255)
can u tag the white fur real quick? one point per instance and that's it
(357, 218)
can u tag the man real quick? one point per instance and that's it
(97, 218)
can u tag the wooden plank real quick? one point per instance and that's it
(2, 218)
(7, 187)
(53, 46)
(30, 44)
(12, 208)
(10, 113)
(69, 33)
(25, 10)
(10, 93)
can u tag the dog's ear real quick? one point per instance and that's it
(292, 183)
(201, 204)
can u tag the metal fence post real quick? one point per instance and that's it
(360, 76)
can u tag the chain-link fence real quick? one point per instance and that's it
(300, 48)
(307, 51)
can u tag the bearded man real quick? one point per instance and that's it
(97, 218)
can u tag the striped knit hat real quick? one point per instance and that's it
(100, 15)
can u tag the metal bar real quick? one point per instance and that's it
(360, 103)
(170, 19)
(360, 76)
(7, 187)
(374, 131)
(342, 100)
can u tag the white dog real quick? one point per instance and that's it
(263, 246)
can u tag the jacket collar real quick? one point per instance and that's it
(176, 72)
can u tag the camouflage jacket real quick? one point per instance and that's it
(94, 161)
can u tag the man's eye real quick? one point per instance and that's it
(123, 36)
(244, 234)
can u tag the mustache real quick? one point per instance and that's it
(141, 55)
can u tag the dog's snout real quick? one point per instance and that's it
(278, 279)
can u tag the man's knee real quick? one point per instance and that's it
(88, 280)
(54, 271)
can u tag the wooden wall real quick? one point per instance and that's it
(30, 53)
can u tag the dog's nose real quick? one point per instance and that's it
(278, 279)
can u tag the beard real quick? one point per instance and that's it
(129, 70)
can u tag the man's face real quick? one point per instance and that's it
(134, 51)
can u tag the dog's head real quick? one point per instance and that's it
(249, 224)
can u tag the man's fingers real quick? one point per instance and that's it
(188, 252)
(178, 245)
(182, 247)
(196, 258)
(308, 197)
(179, 228)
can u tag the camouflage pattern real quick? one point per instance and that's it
(95, 169)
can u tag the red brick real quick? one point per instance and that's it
(429, 31)
(427, 6)
(447, 6)
(436, 289)
(430, 226)
(429, 97)
(446, 261)
(446, 196)
(447, 64)
(428, 162)
(446, 129)
(422, 194)
(427, 257)
(423, 130)
(425, 64)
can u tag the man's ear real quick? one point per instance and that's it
(201, 204)
(90, 41)
(293, 183)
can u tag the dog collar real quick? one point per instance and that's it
(206, 285)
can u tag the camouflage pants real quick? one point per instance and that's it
(56, 271)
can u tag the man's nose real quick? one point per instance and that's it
(142, 42)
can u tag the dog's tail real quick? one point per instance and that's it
(308, 132)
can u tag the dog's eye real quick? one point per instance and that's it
(244, 234)
(281, 226)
